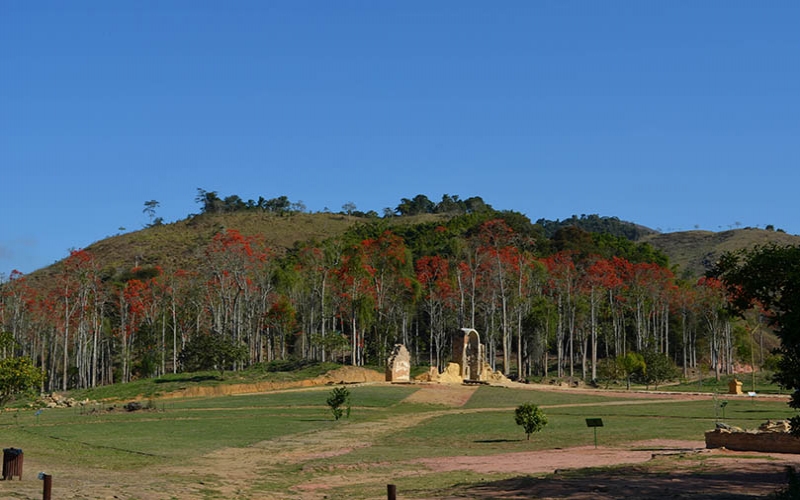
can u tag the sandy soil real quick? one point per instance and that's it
(651, 469)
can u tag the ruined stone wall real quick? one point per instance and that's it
(777, 442)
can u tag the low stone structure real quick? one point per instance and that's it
(770, 437)
(398, 366)
(452, 375)
(56, 400)
(468, 363)
(489, 375)
(735, 387)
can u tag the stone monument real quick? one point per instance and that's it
(468, 354)
(398, 366)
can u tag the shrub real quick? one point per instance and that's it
(530, 417)
(18, 375)
(338, 397)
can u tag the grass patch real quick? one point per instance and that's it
(502, 397)
(183, 431)
(179, 430)
(762, 384)
(122, 440)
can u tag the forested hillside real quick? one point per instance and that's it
(261, 280)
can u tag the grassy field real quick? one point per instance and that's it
(760, 383)
(383, 434)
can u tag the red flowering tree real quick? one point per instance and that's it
(386, 263)
(561, 287)
(438, 297)
(78, 304)
(241, 280)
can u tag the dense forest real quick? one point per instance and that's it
(552, 298)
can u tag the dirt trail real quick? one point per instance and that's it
(230, 468)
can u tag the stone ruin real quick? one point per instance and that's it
(468, 354)
(398, 366)
(771, 436)
(468, 363)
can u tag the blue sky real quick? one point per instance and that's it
(676, 115)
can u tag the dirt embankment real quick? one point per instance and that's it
(343, 375)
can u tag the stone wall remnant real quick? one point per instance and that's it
(468, 354)
(770, 437)
(398, 366)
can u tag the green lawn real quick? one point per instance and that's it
(182, 431)
(760, 383)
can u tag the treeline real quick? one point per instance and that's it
(557, 305)
(594, 223)
(452, 205)
(211, 202)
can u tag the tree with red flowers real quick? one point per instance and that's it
(78, 301)
(387, 264)
(239, 284)
(500, 266)
(561, 286)
(433, 275)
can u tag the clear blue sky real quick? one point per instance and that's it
(674, 115)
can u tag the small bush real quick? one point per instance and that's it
(338, 397)
(530, 417)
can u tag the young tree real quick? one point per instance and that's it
(659, 368)
(338, 397)
(530, 417)
(630, 364)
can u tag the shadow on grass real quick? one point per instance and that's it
(634, 482)
(499, 440)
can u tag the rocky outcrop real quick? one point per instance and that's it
(55, 400)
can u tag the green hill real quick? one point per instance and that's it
(695, 252)
(180, 244)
